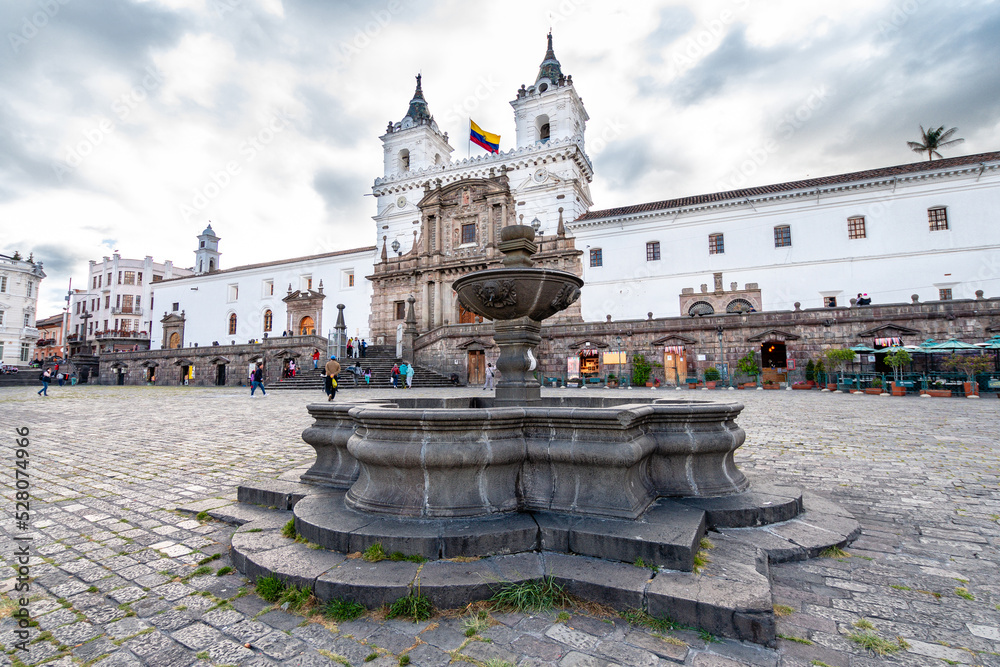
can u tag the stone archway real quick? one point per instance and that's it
(175, 341)
(307, 326)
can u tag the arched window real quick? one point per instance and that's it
(211, 265)
(232, 324)
(542, 127)
(701, 308)
(739, 306)
(404, 160)
(268, 320)
(201, 266)
(306, 326)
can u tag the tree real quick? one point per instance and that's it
(971, 366)
(933, 139)
(837, 359)
(640, 370)
(748, 366)
(896, 361)
(810, 371)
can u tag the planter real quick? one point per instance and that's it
(937, 393)
(710, 385)
(771, 386)
(832, 386)
(649, 384)
(898, 391)
(971, 388)
(874, 391)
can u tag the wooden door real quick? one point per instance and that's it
(477, 367)
(675, 367)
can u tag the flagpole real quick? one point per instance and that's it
(468, 148)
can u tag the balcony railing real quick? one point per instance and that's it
(127, 311)
(121, 334)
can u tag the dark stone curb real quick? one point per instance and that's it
(731, 597)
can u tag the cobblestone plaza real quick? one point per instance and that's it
(113, 559)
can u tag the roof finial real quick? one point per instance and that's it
(550, 68)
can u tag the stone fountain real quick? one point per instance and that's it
(576, 488)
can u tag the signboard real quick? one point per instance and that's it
(573, 366)
(791, 364)
(614, 358)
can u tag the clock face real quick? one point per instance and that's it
(400, 202)
(540, 175)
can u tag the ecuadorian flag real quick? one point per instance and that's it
(487, 140)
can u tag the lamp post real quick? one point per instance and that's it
(722, 362)
(395, 246)
(618, 342)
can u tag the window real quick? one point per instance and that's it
(1, 318)
(127, 303)
(596, 257)
(29, 287)
(1, 349)
(175, 307)
(94, 283)
(716, 245)
(25, 352)
(138, 302)
(542, 126)
(27, 320)
(856, 227)
(99, 280)
(77, 307)
(944, 294)
(234, 293)
(119, 278)
(829, 302)
(202, 245)
(400, 307)
(652, 251)
(348, 278)
(404, 160)
(307, 282)
(157, 278)
(268, 320)
(130, 277)
(92, 304)
(126, 325)
(107, 301)
(701, 308)
(469, 233)
(938, 218)
(118, 301)
(105, 325)
(138, 278)
(268, 289)
(740, 306)
(232, 324)
(782, 236)
(3, 283)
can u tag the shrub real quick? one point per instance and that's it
(810, 371)
(748, 365)
(270, 588)
(340, 609)
(712, 374)
(414, 605)
(537, 595)
(641, 370)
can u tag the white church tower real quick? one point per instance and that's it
(206, 257)
(415, 142)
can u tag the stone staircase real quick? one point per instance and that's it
(379, 360)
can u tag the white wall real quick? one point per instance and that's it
(900, 256)
(207, 306)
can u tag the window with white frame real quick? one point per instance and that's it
(596, 257)
(782, 236)
(937, 218)
(268, 288)
(25, 352)
(856, 227)
(347, 279)
(652, 251)
(3, 284)
(233, 293)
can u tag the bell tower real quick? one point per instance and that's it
(550, 108)
(415, 142)
(206, 257)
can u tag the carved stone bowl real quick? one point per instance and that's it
(512, 293)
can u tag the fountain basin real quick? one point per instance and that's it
(591, 457)
(511, 293)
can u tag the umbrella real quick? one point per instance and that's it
(951, 345)
(992, 344)
(862, 348)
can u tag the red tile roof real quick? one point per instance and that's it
(871, 174)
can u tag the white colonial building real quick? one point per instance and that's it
(549, 171)
(928, 229)
(19, 282)
(114, 308)
(297, 296)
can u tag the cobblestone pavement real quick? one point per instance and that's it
(117, 578)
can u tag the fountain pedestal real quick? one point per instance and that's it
(516, 339)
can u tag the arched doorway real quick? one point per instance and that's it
(307, 327)
(175, 341)
(773, 361)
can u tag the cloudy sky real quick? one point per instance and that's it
(128, 125)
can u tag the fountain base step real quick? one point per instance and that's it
(730, 596)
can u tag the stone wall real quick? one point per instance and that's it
(166, 365)
(806, 333)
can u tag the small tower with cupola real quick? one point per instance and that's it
(415, 142)
(550, 108)
(206, 257)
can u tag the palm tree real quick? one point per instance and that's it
(933, 140)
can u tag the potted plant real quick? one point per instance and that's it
(876, 387)
(712, 376)
(770, 384)
(837, 358)
(810, 373)
(747, 365)
(640, 370)
(896, 361)
(971, 366)
(612, 380)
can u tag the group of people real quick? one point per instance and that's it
(48, 374)
(402, 375)
(356, 348)
(863, 300)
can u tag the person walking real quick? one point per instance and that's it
(368, 377)
(258, 380)
(395, 375)
(291, 367)
(46, 378)
(356, 372)
(350, 348)
(330, 380)
(402, 375)
(364, 348)
(315, 358)
(60, 378)
(409, 375)
(489, 377)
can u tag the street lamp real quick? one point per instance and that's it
(618, 342)
(395, 246)
(722, 361)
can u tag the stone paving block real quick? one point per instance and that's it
(656, 646)
(125, 627)
(197, 636)
(541, 649)
(120, 658)
(281, 620)
(617, 584)
(427, 655)
(392, 640)
(279, 646)
(577, 659)
(228, 652)
(248, 630)
(483, 652)
(161, 648)
(443, 638)
(75, 634)
(295, 564)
